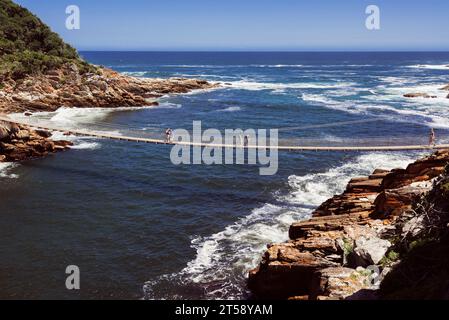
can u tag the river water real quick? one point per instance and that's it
(138, 226)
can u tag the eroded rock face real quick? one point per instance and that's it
(345, 232)
(18, 143)
(107, 89)
(338, 282)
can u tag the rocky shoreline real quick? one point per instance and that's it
(426, 95)
(18, 143)
(68, 87)
(351, 242)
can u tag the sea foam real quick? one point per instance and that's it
(223, 259)
(5, 168)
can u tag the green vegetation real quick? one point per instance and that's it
(391, 257)
(348, 246)
(422, 272)
(28, 46)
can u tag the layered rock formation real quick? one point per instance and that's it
(346, 248)
(68, 87)
(18, 143)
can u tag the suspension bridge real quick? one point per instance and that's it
(107, 135)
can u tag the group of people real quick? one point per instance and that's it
(169, 137)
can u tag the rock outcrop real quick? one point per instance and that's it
(419, 95)
(68, 87)
(18, 143)
(344, 250)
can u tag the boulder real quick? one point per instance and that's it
(394, 202)
(366, 185)
(23, 135)
(413, 226)
(369, 251)
(43, 133)
(339, 283)
(4, 133)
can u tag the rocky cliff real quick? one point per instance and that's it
(68, 87)
(40, 72)
(353, 240)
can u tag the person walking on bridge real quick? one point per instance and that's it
(432, 138)
(168, 135)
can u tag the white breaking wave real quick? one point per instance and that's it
(167, 105)
(398, 80)
(223, 259)
(79, 143)
(317, 98)
(276, 65)
(257, 86)
(86, 145)
(430, 66)
(230, 109)
(5, 168)
(72, 116)
(135, 73)
(213, 66)
(75, 118)
(433, 110)
(430, 89)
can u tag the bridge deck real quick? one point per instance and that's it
(80, 132)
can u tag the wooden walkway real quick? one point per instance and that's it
(89, 133)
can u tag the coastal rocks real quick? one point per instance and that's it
(18, 143)
(445, 88)
(369, 251)
(286, 272)
(326, 255)
(394, 202)
(105, 89)
(67, 87)
(419, 95)
(337, 283)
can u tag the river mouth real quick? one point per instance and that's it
(139, 227)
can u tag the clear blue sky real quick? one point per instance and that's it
(249, 24)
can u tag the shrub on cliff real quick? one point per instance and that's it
(28, 46)
(422, 272)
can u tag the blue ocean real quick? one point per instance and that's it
(140, 227)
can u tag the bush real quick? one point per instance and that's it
(28, 46)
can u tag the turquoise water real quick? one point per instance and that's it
(140, 227)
